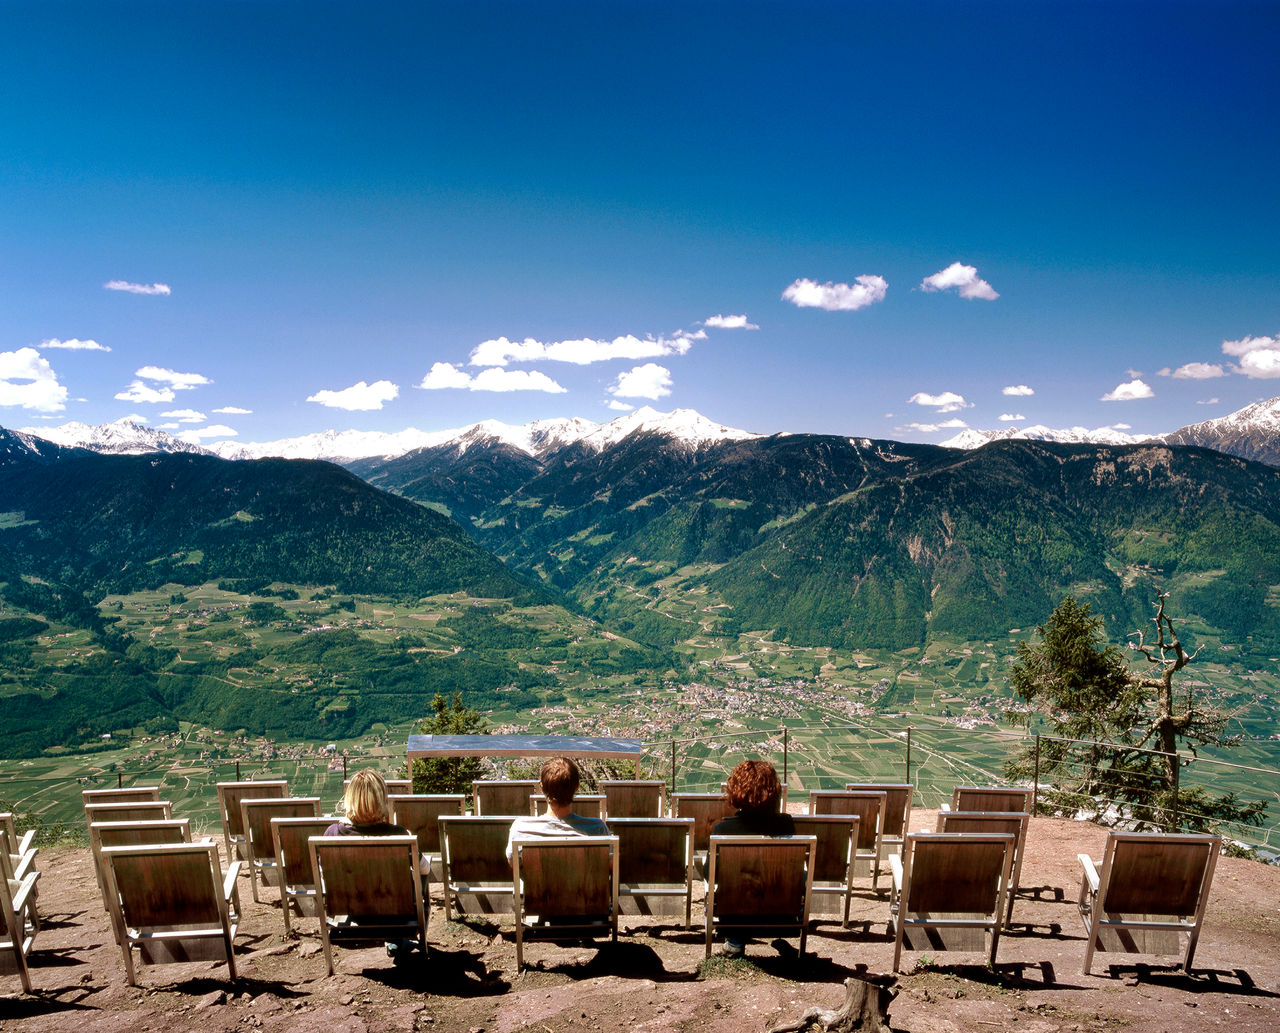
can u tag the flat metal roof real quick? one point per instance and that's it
(605, 748)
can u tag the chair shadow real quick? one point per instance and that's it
(624, 960)
(1236, 982)
(447, 973)
(1010, 975)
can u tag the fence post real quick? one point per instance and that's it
(237, 771)
(119, 779)
(1176, 812)
(784, 754)
(1035, 784)
(673, 766)
(908, 778)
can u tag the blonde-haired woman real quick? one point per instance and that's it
(367, 812)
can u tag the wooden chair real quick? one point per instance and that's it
(655, 865)
(367, 888)
(759, 886)
(290, 839)
(259, 849)
(132, 833)
(990, 798)
(589, 806)
(134, 794)
(172, 903)
(420, 814)
(17, 925)
(1012, 823)
(473, 864)
(836, 837)
(634, 798)
(1150, 894)
(897, 811)
(869, 806)
(949, 892)
(229, 796)
(564, 889)
(705, 809)
(492, 797)
(17, 853)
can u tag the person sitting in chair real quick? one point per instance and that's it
(559, 777)
(367, 812)
(753, 788)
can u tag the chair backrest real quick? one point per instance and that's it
(589, 806)
(420, 814)
(653, 850)
(760, 877)
(566, 878)
(399, 786)
(990, 798)
(15, 939)
(290, 842)
(474, 847)
(367, 875)
(231, 793)
(166, 886)
(868, 805)
(255, 818)
(705, 809)
(138, 810)
(834, 838)
(634, 798)
(897, 805)
(955, 873)
(139, 833)
(494, 798)
(1153, 873)
(132, 794)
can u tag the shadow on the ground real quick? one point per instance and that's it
(1237, 981)
(1015, 975)
(445, 973)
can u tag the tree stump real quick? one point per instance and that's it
(866, 1008)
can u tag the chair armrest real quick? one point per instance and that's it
(25, 865)
(25, 843)
(229, 881)
(1090, 872)
(25, 888)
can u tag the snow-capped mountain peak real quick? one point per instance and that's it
(121, 437)
(685, 425)
(970, 438)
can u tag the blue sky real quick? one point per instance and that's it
(278, 218)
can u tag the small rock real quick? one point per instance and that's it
(308, 950)
(345, 1000)
(211, 1000)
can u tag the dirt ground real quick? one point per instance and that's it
(656, 978)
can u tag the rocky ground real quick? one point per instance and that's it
(656, 977)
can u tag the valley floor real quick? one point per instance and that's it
(656, 979)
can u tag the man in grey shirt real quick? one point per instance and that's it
(559, 777)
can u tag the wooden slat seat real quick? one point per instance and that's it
(897, 811)
(634, 798)
(420, 814)
(565, 890)
(759, 886)
(133, 833)
(869, 806)
(367, 889)
(1012, 823)
(172, 903)
(291, 839)
(836, 837)
(655, 865)
(587, 805)
(473, 864)
(1148, 894)
(17, 929)
(949, 892)
(229, 796)
(705, 809)
(494, 797)
(259, 849)
(990, 798)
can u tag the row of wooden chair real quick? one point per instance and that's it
(19, 919)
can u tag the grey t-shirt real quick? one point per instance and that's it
(548, 826)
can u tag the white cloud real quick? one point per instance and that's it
(648, 381)
(581, 351)
(1017, 390)
(730, 323)
(233, 410)
(168, 426)
(217, 430)
(837, 297)
(963, 278)
(1259, 356)
(177, 381)
(618, 406)
(28, 381)
(444, 375)
(137, 391)
(1208, 401)
(948, 401)
(1194, 371)
(362, 396)
(933, 428)
(1011, 417)
(1129, 391)
(185, 415)
(75, 345)
(137, 288)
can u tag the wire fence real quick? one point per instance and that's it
(808, 757)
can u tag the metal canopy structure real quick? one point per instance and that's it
(606, 748)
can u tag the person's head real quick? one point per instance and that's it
(365, 800)
(559, 777)
(754, 786)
